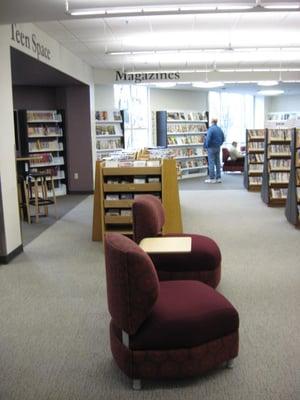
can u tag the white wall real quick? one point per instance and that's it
(181, 100)
(284, 103)
(104, 97)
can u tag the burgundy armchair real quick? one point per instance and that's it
(231, 165)
(203, 263)
(170, 329)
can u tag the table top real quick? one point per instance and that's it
(174, 244)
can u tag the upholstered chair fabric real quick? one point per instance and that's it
(132, 282)
(203, 263)
(148, 217)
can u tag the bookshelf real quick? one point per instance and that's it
(109, 132)
(184, 133)
(116, 187)
(42, 139)
(292, 207)
(254, 159)
(277, 164)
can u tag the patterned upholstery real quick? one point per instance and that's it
(203, 263)
(176, 329)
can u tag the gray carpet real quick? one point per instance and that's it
(64, 205)
(230, 181)
(54, 341)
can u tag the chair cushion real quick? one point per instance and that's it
(186, 314)
(205, 255)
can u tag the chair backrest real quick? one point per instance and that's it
(148, 217)
(225, 154)
(132, 282)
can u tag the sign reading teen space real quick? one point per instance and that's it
(30, 42)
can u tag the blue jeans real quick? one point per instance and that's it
(214, 162)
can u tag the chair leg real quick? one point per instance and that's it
(230, 363)
(45, 193)
(136, 384)
(54, 196)
(36, 200)
(27, 195)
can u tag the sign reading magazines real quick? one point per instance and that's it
(146, 77)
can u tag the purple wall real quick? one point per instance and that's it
(75, 100)
(34, 98)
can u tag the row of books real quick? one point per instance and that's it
(280, 134)
(187, 116)
(44, 116)
(279, 177)
(108, 116)
(282, 116)
(125, 212)
(108, 130)
(255, 180)
(279, 148)
(53, 171)
(178, 140)
(190, 152)
(256, 146)
(43, 145)
(256, 158)
(126, 196)
(192, 163)
(256, 134)
(279, 193)
(279, 163)
(258, 168)
(108, 144)
(135, 179)
(186, 128)
(44, 131)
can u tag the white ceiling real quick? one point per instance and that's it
(269, 40)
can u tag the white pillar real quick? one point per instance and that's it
(11, 227)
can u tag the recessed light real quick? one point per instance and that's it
(208, 85)
(270, 92)
(267, 83)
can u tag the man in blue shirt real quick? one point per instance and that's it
(213, 142)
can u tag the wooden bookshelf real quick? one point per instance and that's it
(105, 206)
(277, 164)
(254, 159)
(292, 207)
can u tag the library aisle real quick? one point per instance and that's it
(54, 293)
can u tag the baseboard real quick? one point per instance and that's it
(6, 259)
(81, 192)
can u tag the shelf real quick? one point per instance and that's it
(279, 170)
(44, 121)
(132, 187)
(190, 157)
(184, 121)
(45, 150)
(186, 145)
(192, 168)
(274, 183)
(256, 150)
(43, 136)
(120, 171)
(108, 122)
(108, 150)
(186, 133)
(192, 176)
(118, 203)
(258, 139)
(117, 219)
(108, 136)
(280, 155)
(47, 164)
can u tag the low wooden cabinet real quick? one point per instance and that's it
(115, 189)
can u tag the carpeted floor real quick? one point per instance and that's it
(230, 181)
(63, 206)
(54, 341)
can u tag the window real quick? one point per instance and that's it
(134, 100)
(235, 112)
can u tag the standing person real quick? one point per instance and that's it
(213, 142)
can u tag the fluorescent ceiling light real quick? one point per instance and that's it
(207, 85)
(282, 6)
(270, 92)
(267, 83)
(165, 84)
